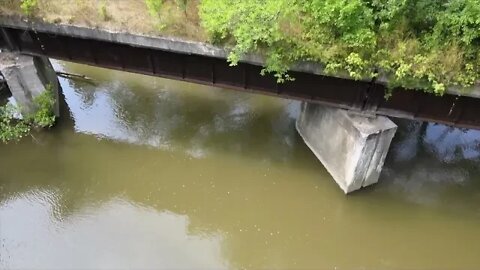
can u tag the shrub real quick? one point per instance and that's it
(44, 115)
(13, 129)
(426, 44)
(10, 128)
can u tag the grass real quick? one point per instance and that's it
(118, 15)
(103, 11)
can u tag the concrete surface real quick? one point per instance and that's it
(27, 77)
(352, 147)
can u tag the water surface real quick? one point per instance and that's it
(147, 173)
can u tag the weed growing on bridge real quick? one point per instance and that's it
(176, 16)
(183, 4)
(13, 129)
(103, 11)
(28, 6)
(154, 7)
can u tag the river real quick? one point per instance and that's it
(149, 173)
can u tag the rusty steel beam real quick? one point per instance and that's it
(358, 96)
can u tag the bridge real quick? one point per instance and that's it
(200, 63)
(363, 138)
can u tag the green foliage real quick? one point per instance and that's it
(28, 6)
(154, 7)
(13, 129)
(253, 25)
(44, 115)
(182, 4)
(427, 44)
(103, 11)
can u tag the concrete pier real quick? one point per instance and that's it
(352, 148)
(27, 77)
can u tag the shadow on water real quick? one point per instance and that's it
(432, 165)
(233, 166)
(4, 92)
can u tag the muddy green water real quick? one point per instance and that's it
(146, 173)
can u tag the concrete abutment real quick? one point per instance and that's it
(27, 77)
(352, 147)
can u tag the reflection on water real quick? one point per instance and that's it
(153, 173)
(101, 237)
(195, 119)
(429, 161)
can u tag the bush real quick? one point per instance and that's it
(44, 115)
(13, 129)
(427, 44)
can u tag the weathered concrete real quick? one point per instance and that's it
(350, 146)
(27, 77)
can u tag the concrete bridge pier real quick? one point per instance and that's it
(352, 147)
(27, 77)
